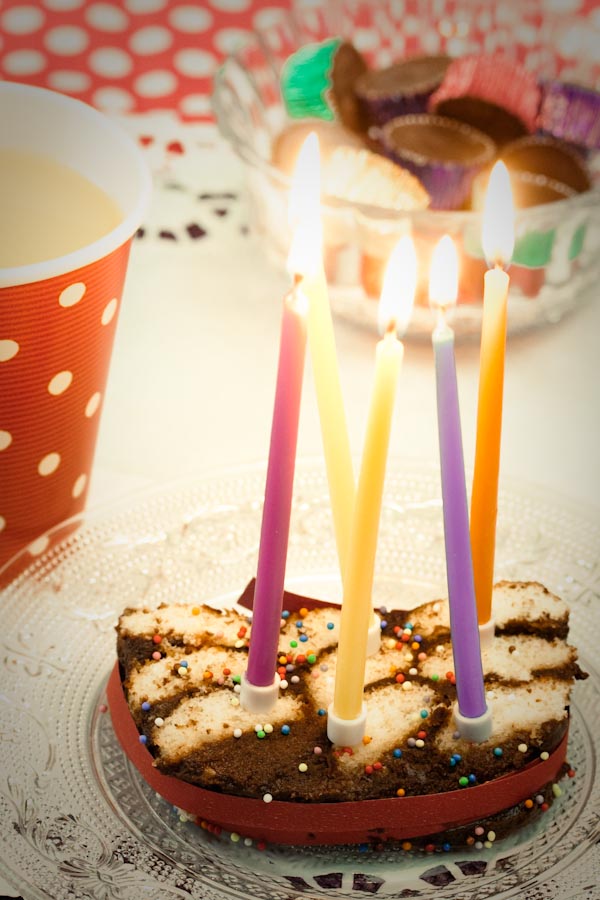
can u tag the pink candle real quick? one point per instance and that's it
(268, 592)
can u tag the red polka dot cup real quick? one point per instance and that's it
(58, 315)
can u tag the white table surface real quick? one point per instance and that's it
(193, 372)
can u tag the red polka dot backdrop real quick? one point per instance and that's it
(52, 381)
(126, 56)
(141, 55)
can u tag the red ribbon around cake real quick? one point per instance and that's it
(342, 822)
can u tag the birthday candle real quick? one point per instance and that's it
(498, 242)
(459, 568)
(346, 715)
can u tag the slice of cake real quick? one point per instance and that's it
(174, 698)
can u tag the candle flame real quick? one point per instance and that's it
(443, 274)
(498, 230)
(399, 286)
(304, 210)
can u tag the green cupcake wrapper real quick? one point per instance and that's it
(305, 80)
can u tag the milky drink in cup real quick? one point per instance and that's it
(73, 192)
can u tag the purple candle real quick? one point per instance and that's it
(272, 554)
(459, 565)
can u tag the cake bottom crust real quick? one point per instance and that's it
(500, 804)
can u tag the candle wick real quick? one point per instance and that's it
(391, 327)
(298, 279)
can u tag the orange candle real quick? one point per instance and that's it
(498, 242)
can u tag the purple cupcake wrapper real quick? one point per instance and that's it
(448, 186)
(571, 113)
(382, 109)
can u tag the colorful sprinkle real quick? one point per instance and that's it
(557, 790)
(407, 846)
(182, 670)
(498, 751)
(157, 655)
(103, 708)
(303, 767)
(529, 804)
(237, 732)
(267, 798)
(472, 779)
(156, 638)
(295, 679)
(234, 836)
(299, 623)
(522, 748)
(159, 721)
(479, 831)
(304, 638)
(268, 728)
(311, 658)
(237, 679)
(285, 614)
(293, 644)
(143, 739)
(397, 753)
(321, 712)
(330, 626)
(145, 706)
(303, 612)
(463, 781)
(261, 734)
(400, 792)
(317, 751)
(420, 743)
(545, 755)
(285, 729)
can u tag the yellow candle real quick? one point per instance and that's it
(304, 208)
(357, 609)
(498, 240)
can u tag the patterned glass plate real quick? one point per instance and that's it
(76, 820)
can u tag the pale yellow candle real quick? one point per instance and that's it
(357, 604)
(498, 241)
(305, 214)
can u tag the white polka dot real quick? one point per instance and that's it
(24, 62)
(8, 349)
(2, 523)
(156, 84)
(562, 6)
(196, 105)
(113, 99)
(572, 40)
(49, 463)
(69, 81)
(109, 311)
(5, 439)
(66, 40)
(266, 18)
(22, 19)
(93, 404)
(63, 5)
(72, 294)
(191, 19)
(230, 5)
(79, 486)
(106, 17)
(195, 63)
(153, 39)
(365, 39)
(60, 383)
(38, 546)
(111, 62)
(144, 6)
(227, 40)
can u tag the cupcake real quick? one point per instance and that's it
(544, 155)
(490, 93)
(360, 176)
(571, 112)
(286, 145)
(400, 89)
(445, 155)
(318, 81)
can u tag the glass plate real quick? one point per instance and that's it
(76, 820)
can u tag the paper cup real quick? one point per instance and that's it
(58, 320)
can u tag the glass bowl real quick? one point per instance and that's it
(556, 265)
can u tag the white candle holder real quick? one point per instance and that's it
(486, 634)
(257, 698)
(374, 636)
(346, 732)
(476, 729)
